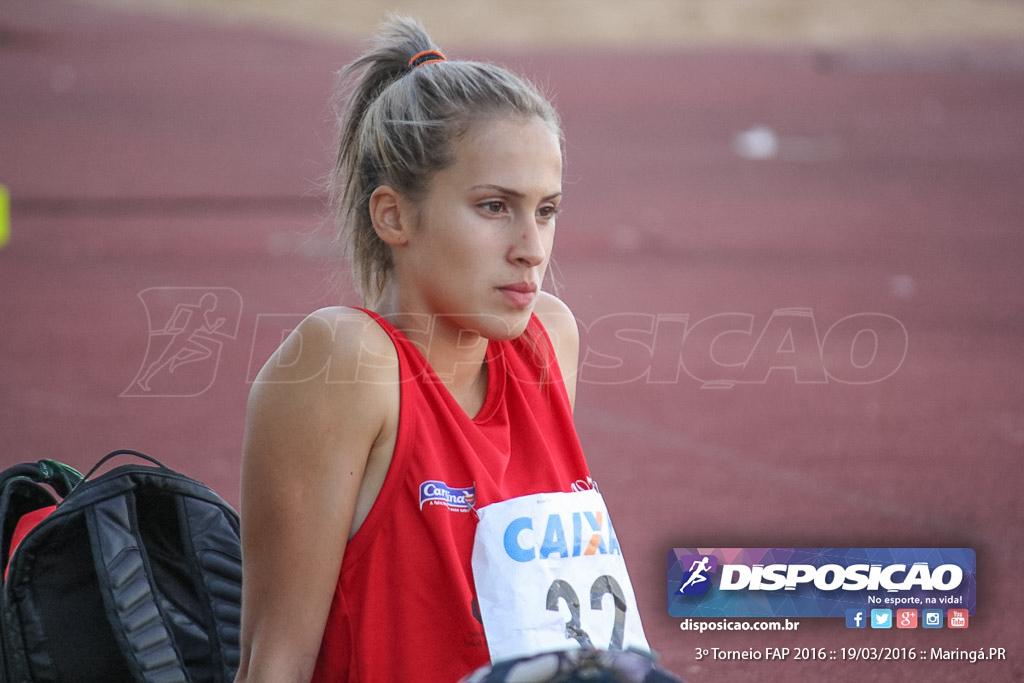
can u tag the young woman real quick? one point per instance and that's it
(392, 453)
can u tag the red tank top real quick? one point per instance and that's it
(405, 603)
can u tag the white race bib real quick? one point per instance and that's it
(549, 575)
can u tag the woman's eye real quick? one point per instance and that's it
(493, 207)
(547, 212)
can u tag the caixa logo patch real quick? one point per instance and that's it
(696, 579)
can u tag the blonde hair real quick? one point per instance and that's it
(398, 126)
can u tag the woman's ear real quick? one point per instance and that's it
(389, 213)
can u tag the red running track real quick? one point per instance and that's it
(152, 161)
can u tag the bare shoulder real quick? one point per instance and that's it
(561, 327)
(336, 344)
(557, 319)
(331, 385)
(323, 412)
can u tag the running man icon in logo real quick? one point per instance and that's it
(696, 581)
(187, 330)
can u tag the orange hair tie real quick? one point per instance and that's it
(426, 57)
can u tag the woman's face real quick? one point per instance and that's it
(480, 244)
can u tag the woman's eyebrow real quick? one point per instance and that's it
(510, 192)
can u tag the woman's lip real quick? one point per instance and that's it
(520, 294)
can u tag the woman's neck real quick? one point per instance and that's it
(455, 354)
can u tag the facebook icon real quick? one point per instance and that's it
(856, 618)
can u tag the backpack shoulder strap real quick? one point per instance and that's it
(210, 530)
(127, 593)
(21, 493)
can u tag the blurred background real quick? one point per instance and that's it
(644, 23)
(793, 237)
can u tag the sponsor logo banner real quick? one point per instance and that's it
(818, 582)
(455, 498)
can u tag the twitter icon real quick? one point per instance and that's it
(881, 618)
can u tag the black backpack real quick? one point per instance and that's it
(136, 575)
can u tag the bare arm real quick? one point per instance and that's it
(560, 323)
(310, 438)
